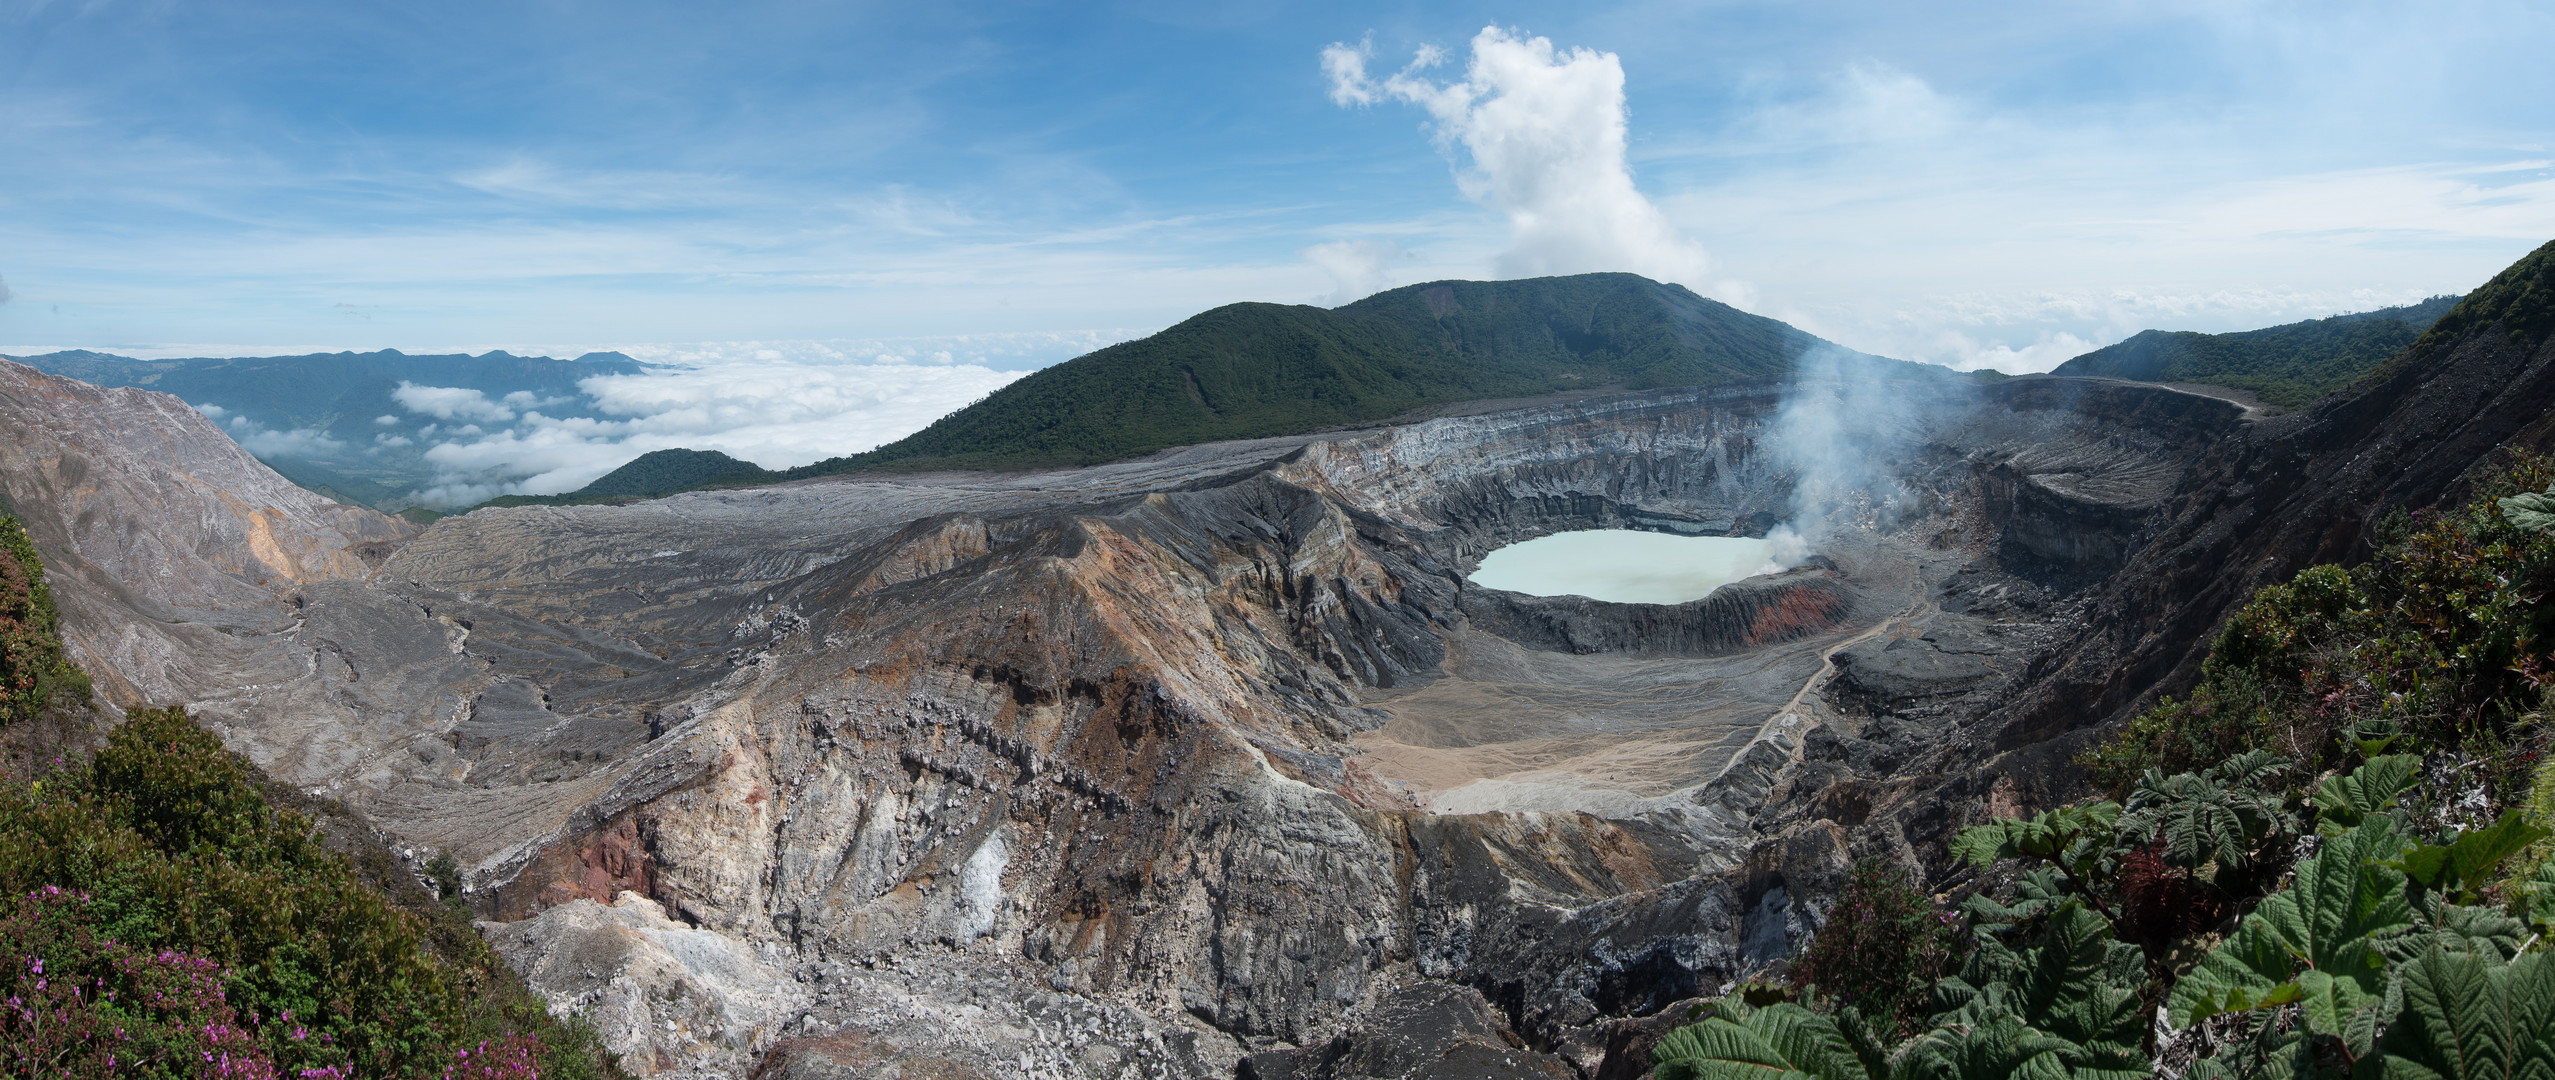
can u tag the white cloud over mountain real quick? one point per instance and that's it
(1544, 131)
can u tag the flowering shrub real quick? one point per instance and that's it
(232, 939)
(509, 1058)
(75, 1004)
(2156, 903)
(171, 920)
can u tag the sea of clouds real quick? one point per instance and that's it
(777, 404)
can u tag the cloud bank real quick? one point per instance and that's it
(1545, 133)
(266, 442)
(777, 404)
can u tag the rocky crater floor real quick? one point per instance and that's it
(1206, 764)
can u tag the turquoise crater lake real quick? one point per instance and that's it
(1625, 566)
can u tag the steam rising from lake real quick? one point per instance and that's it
(1623, 566)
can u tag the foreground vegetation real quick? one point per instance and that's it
(2287, 365)
(162, 915)
(2331, 860)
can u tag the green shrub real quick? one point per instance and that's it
(34, 673)
(2440, 640)
(1880, 949)
(177, 849)
(165, 867)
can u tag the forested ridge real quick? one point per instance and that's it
(1251, 370)
(2288, 365)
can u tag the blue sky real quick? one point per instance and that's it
(1003, 185)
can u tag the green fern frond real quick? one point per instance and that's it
(2330, 924)
(2534, 512)
(1782, 1041)
(2342, 802)
(2467, 1017)
(2045, 835)
(2218, 815)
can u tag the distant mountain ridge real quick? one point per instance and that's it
(1255, 370)
(337, 397)
(2288, 365)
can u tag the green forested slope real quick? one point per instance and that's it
(1254, 370)
(2284, 365)
(2332, 861)
(2335, 858)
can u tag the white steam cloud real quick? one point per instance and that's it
(1841, 432)
(1545, 132)
(1361, 267)
(5, 294)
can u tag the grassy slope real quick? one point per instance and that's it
(2287, 365)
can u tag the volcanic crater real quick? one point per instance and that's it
(1214, 753)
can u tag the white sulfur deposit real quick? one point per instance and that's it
(980, 887)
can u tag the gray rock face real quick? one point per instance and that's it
(666, 998)
(163, 538)
(1148, 768)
